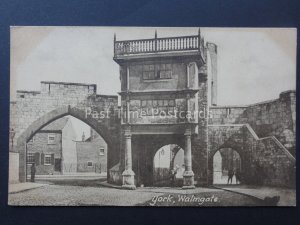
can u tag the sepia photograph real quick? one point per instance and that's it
(152, 116)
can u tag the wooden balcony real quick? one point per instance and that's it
(193, 43)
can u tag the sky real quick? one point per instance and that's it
(253, 64)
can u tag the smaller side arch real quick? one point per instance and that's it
(233, 145)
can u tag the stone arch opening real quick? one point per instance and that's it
(227, 166)
(67, 146)
(168, 165)
(101, 127)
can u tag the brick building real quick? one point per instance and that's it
(53, 148)
(92, 154)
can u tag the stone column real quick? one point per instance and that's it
(128, 174)
(188, 175)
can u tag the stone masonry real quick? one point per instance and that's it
(33, 110)
(171, 75)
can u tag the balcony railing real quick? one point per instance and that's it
(156, 45)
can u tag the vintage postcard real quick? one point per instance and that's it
(146, 116)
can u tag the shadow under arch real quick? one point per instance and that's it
(226, 159)
(101, 127)
(162, 174)
(238, 147)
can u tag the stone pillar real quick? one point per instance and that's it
(188, 175)
(128, 174)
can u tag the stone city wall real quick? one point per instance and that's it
(33, 110)
(264, 160)
(30, 105)
(271, 118)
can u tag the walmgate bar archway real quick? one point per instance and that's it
(168, 96)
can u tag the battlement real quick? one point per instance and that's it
(24, 94)
(67, 87)
(67, 83)
(59, 89)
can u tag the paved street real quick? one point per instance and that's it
(90, 193)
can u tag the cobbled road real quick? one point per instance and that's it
(90, 193)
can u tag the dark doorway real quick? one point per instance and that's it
(57, 165)
(227, 161)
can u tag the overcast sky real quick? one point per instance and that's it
(253, 64)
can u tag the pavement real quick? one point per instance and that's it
(20, 187)
(287, 195)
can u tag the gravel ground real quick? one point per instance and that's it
(90, 193)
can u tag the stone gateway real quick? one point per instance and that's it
(168, 97)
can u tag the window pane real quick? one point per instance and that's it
(146, 68)
(162, 74)
(151, 67)
(145, 75)
(101, 151)
(171, 102)
(144, 103)
(47, 160)
(151, 75)
(30, 158)
(149, 103)
(51, 138)
(168, 74)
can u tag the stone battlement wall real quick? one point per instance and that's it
(264, 160)
(31, 105)
(270, 118)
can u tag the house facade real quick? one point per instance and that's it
(53, 149)
(92, 154)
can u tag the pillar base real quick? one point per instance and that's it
(188, 180)
(128, 180)
(189, 187)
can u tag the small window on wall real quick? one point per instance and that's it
(51, 139)
(30, 158)
(164, 74)
(165, 71)
(101, 151)
(47, 159)
(149, 72)
(89, 163)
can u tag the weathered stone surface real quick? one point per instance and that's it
(263, 134)
(34, 110)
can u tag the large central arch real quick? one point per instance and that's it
(107, 128)
(144, 148)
